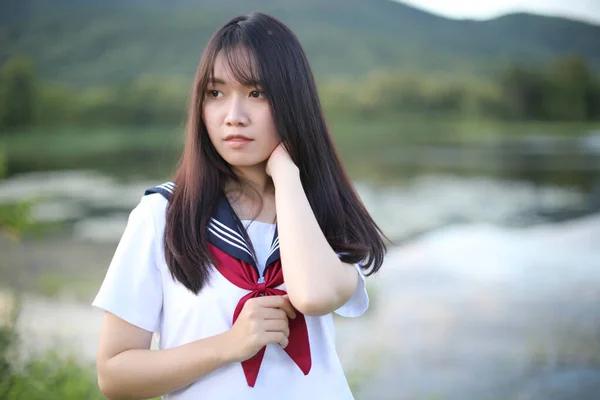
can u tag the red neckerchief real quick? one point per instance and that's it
(244, 276)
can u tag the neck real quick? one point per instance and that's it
(254, 197)
(255, 181)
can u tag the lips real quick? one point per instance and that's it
(238, 142)
(237, 138)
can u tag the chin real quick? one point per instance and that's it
(241, 161)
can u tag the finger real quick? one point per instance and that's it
(273, 313)
(284, 341)
(276, 325)
(287, 307)
(276, 337)
(268, 301)
(282, 302)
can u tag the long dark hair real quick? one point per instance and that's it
(278, 63)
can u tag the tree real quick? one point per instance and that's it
(522, 90)
(569, 90)
(18, 93)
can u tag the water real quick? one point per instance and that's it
(481, 312)
(93, 206)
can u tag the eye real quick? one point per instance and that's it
(257, 94)
(213, 93)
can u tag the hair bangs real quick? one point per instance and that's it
(241, 59)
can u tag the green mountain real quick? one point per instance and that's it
(112, 41)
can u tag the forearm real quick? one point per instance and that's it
(141, 374)
(316, 280)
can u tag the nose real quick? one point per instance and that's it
(236, 113)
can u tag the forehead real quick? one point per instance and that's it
(221, 67)
(235, 66)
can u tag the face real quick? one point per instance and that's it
(238, 119)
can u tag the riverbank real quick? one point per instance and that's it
(153, 151)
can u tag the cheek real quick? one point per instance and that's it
(209, 121)
(206, 115)
(268, 127)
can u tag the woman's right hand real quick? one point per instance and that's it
(263, 320)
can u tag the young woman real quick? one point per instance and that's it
(239, 263)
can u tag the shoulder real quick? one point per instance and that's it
(165, 189)
(155, 200)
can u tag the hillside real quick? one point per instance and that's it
(113, 41)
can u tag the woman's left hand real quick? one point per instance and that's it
(280, 160)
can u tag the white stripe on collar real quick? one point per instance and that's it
(239, 240)
(228, 228)
(210, 228)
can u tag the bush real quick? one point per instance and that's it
(50, 376)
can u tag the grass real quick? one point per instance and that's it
(81, 288)
(155, 149)
(63, 141)
(447, 129)
(66, 142)
(152, 150)
(48, 376)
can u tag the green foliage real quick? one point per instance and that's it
(522, 90)
(390, 93)
(14, 218)
(18, 93)
(8, 340)
(571, 91)
(567, 90)
(146, 101)
(51, 377)
(48, 377)
(112, 42)
(2, 165)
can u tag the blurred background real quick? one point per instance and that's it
(472, 133)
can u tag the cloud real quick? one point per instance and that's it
(587, 10)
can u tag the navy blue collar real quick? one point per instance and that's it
(223, 231)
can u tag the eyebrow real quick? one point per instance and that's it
(220, 81)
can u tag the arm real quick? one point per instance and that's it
(317, 281)
(128, 369)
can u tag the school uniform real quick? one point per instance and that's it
(138, 288)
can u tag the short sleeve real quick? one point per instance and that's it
(132, 287)
(358, 303)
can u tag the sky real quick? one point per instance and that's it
(585, 10)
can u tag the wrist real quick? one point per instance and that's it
(285, 172)
(225, 348)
